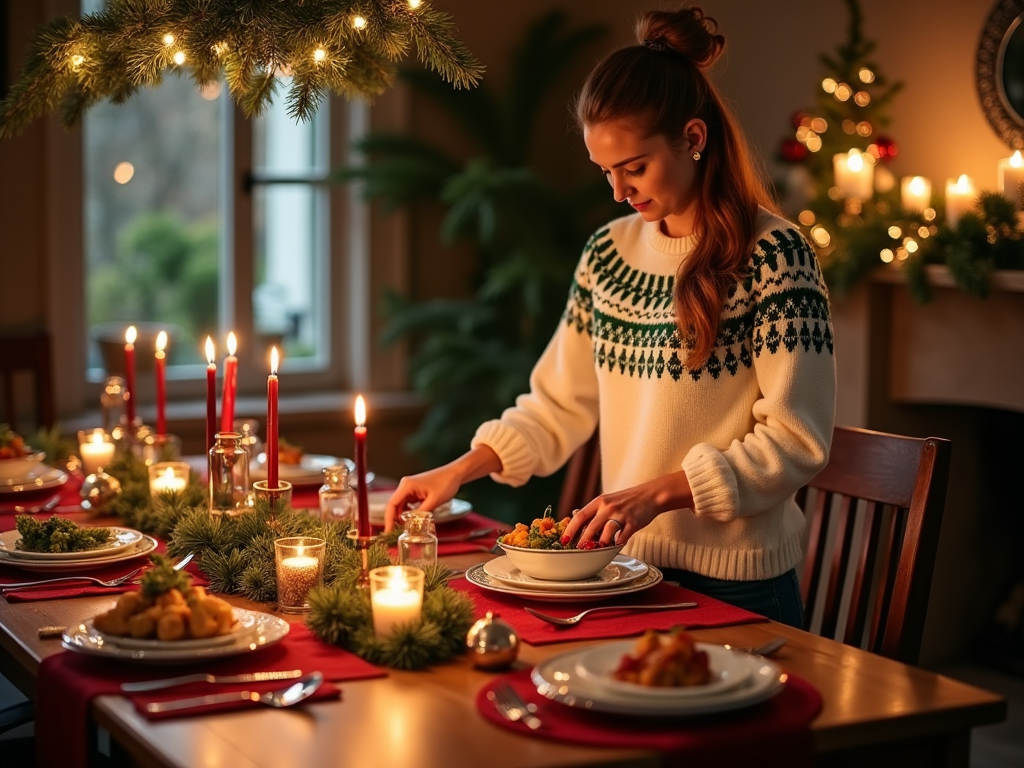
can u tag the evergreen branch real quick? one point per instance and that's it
(132, 44)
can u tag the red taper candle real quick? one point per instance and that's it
(161, 384)
(211, 394)
(272, 456)
(129, 372)
(362, 497)
(227, 401)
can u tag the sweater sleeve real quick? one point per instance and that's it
(538, 434)
(789, 330)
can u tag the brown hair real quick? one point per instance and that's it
(660, 85)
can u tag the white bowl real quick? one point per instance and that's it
(18, 469)
(560, 564)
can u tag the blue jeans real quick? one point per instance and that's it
(778, 598)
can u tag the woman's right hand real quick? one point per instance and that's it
(438, 486)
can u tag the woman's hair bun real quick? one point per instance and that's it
(687, 32)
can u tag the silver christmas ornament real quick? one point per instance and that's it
(98, 491)
(492, 643)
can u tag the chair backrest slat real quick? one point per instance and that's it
(27, 352)
(860, 597)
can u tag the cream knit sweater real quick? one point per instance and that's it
(749, 427)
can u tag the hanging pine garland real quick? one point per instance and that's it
(325, 46)
(237, 554)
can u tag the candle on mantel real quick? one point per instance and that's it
(362, 497)
(227, 401)
(161, 384)
(129, 372)
(854, 174)
(272, 456)
(960, 195)
(211, 394)
(1011, 179)
(915, 194)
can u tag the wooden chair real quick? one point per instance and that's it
(582, 481)
(27, 352)
(873, 515)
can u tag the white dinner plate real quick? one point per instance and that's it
(477, 575)
(558, 679)
(243, 624)
(445, 513)
(263, 630)
(41, 478)
(622, 570)
(143, 547)
(121, 539)
(309, 471)
(728, 669)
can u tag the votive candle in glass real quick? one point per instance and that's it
(396, 597)
(168, 477)
(915, 194)
(97, 449)
(300, 567)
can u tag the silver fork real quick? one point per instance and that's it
(512, 707)
(177, 566)
(46, 582)
(573, 620)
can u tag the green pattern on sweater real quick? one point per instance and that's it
(779, 305)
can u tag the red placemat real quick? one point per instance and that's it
(69, 501)
(774, 732)
(708, 613)
(68, 682)
(11, 575)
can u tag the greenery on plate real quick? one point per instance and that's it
(57, 535)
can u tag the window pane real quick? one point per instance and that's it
(291, 233)
(152, 216)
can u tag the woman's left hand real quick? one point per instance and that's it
(612, 518)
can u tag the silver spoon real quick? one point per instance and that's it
(301, 689)
(762, 650)
(46, 506)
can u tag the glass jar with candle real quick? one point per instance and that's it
(337, 497)
(168, 477)
(229, 475)
(396, 597)
(300, 567)
(96, 447)
(417, 545)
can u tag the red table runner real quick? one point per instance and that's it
(69, 681)
(708, 613)
(774, 732)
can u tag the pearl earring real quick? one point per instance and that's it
(696, 155)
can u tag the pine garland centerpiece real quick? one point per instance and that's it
(350, 49)
(237, 554)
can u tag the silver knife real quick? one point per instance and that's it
(253, 677)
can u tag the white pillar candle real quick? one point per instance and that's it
(854, 174)
(396, 597)
(97, 450)
(915, 193)
(960, 196)
(1011, 178)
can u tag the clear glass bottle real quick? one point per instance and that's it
(229, 475)
(337, 497)
(417, 545)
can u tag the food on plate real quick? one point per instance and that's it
(543, 533)
(288, 453)
(12, 445)
(57, 535)
(168, 608)
(671, 661)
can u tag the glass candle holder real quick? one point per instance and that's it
(417, 545)
(278, 498)
(157, 448)
(229, 475)
(337, 497)
(97, 450)
(300, 567)
(396, 597)
(168, 477)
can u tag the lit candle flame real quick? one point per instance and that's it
(232, 343)
(917, 185)
(161, 341)
(397, 581)
(855, 161)
(1016, 160)
(130, 335)
(98, 436)
(210, 356)
(360, 411)
(963, 184)
(273, 361)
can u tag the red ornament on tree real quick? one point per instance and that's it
(887, 148)
(799, 118)
(792, 151)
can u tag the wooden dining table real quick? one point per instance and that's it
(876, 711)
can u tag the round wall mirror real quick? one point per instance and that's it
(1000, 70)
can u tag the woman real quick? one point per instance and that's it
(697, 335)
